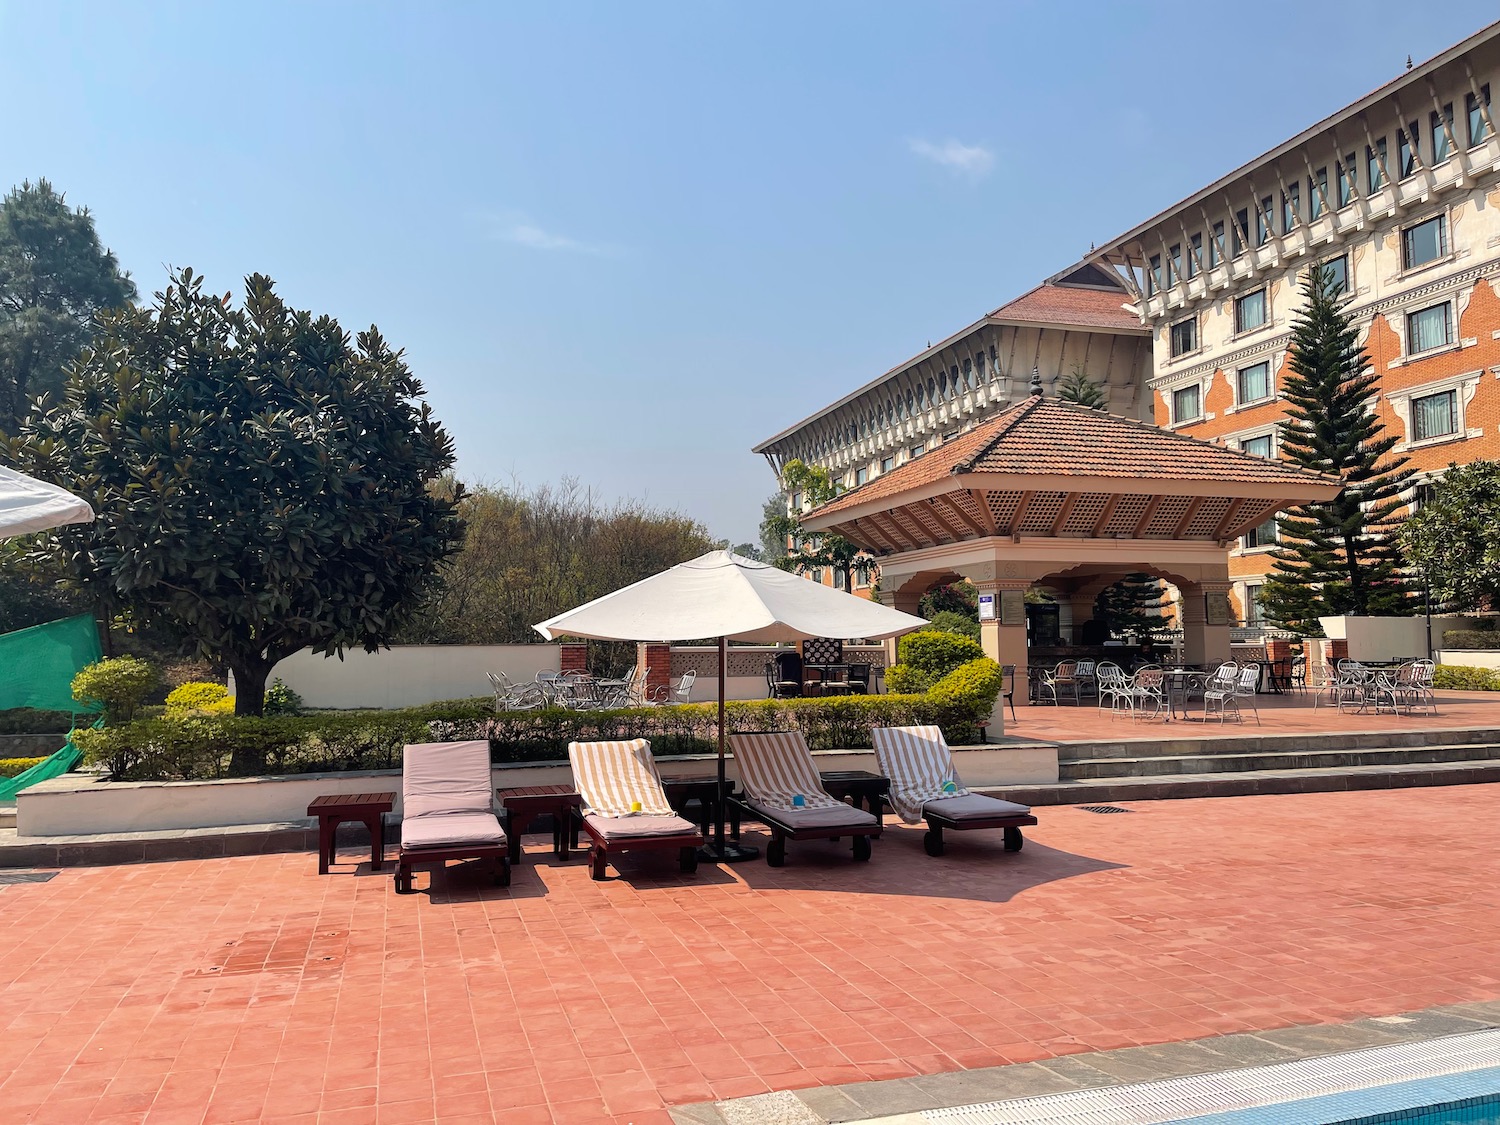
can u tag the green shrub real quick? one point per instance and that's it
(197, 695)
(282, 700)
(1460, 677)
(14, 767)
(926, 657)
(118, 685)
(975, 685)
(1471, 639)
(951, 621)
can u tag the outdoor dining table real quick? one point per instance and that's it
(823, 684)
(1180, 683)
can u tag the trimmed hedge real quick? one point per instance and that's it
(1462, 677)
(14, 767)
(1472, 639)
(202, 746)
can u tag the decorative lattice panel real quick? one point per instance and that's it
(1003, 507)
(910, 526)
(1168, 515)
(965, 503)
(1085, 514)
(823, 650)
(1041, 512)
(933, 530)
(1127, 514)
(943, 509)
(1207, 518)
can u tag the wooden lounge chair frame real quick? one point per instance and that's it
(932, 840)
(408, 861)
(782, 831)
(602, 848)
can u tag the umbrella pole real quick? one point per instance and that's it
(721, 851)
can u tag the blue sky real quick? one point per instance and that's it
(627, 241)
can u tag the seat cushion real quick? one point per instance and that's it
(452, 830)
(975, 806)
(635, 827)
(842, 816)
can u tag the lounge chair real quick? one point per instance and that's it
(920, 766)
(624, 806)
(448, 810)
(777, 768)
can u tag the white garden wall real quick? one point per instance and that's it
(409, 675)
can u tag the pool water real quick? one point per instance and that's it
(1483, 1110)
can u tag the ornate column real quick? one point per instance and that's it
(1206, 615)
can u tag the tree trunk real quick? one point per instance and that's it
(249, 699)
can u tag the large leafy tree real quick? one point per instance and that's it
(263, 483)
(1454, 540)
(1340, 556)
(808, 550)
(55, 279)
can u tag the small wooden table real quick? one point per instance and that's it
(682, 788)
(336, 808)
(525, 803)
(865, 788)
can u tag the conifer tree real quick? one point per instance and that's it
(1340, 556)
(1077, 387)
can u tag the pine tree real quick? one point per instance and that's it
(1132, 605)
(1077, 387)
(1340, 556)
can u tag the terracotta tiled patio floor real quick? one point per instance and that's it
(254, 990)
(1279, 714)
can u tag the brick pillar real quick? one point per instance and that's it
(658, 659)
(574, 656)
(1337, 650)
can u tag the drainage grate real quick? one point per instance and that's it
(26, 876)
(1102, 808)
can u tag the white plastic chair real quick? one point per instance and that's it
(683, 692)
(1247, 684)
(1220, 691)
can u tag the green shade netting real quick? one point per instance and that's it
(37, 667)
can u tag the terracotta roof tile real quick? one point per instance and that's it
(1048, 437)
(1067, 304)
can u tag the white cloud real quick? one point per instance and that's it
(520, 230)
(967, 160)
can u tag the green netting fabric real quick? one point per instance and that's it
(37, 665)
(58, 764)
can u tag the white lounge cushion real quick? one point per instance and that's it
(452, 830)
(636, 827)
(974, 806)
(840, 816)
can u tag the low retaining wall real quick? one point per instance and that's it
(1468, 657)
(409, 675)
(83, 804)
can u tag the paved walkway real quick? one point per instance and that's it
(251, 989)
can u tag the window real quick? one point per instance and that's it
(1374, 163)
(1339, 267)
(861, 475)
(817, 575)
(1291, 209)
(1254, 384)
(1429, 328)
(1317, 191)
(1346, 181)
(1187, 404)
(887, 464)
(1184, 336)
(1253, 613)
(1442, 125)
(839, 581)
(1216, 247)
(1262, 536)
(862, 573)
(1434, 415)
(1263, 219)
(1479, 127)
(1423, 243)
(1257, 446)
(796, 501)
(1250, 311)
(1195, 251)
(1153, 275)
(918, 449)
(1175, 255)
(1406, 148)
(969, 381)
(1422, 495)
(1241, 230)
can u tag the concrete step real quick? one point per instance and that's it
(1092, 768)
(1112, 790)
(7, 816)
(177, 843)
(1167, 739)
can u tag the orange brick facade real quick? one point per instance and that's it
(1477, 353)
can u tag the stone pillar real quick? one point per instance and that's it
(1005, 641)
(1205, 622)
(1081, 609)
(906, 602)
(574, 656)
(657, 658)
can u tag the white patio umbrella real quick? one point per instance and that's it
(723, 596)
(28, 505)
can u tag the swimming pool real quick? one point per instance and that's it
(1452, 1080)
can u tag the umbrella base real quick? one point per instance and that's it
(726, 852)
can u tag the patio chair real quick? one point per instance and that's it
(925, 784)
(1219, 691)
(1112, 684)
(836, 679)
(1087, 676)
(1146, 692)
(1414, 688)
(1008, 688)
(625, 808)
(1058, 682)
(510, 696)
(683, 692)
(1246, 687)
(788, 676)
(782, 790)
(1355, 685)
(859, 679)
(448, 810)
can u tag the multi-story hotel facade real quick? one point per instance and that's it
(1399, 194)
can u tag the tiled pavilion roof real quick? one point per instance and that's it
(1046, 467)
(1075, 306)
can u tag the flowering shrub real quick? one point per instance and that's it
(199, 696)
(14, 767)
(118, 684)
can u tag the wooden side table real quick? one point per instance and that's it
(682, 788)
(336, 808)
(525, 803)
(861, 786)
